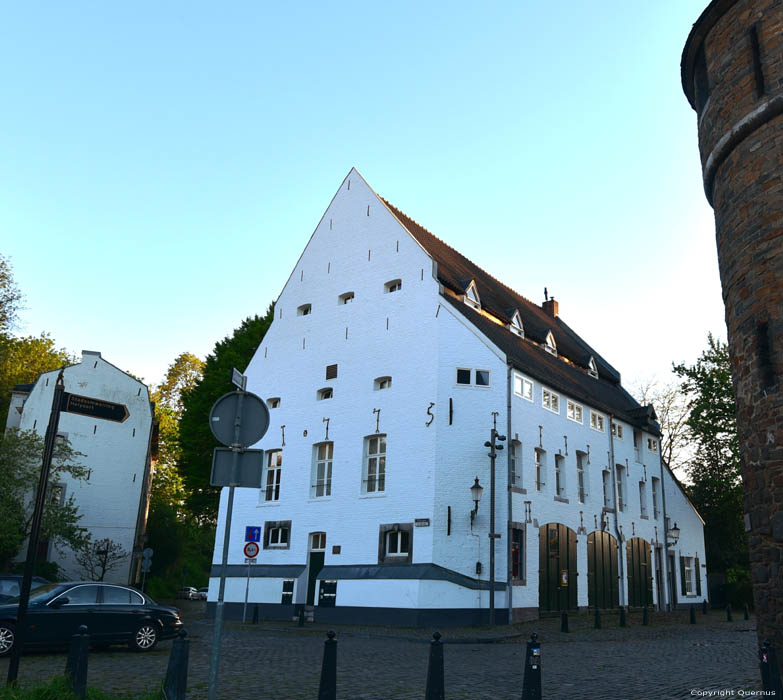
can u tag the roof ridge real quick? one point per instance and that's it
(424, 228)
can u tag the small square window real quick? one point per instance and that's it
(304, 310)
(331, 371)
(393, 286)
(325, 393)
(574, 411)
(273, 403)
(596, 421)
(617, 431)
(463, 376)
(482, 377)
(346, 298)
(382, 383)
(652, 445)
(523, 387)
(550, 401)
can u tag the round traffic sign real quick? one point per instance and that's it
(253, 423)
(251, 550)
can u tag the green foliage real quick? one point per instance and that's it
(58, 689)
(49, 570)
(10, 297)
(21, 452)
(196, 438)
(714, 470)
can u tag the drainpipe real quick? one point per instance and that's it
(668, 595)
(621, 548)
(509, 518)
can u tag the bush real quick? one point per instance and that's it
(46, 569)
(58, 689)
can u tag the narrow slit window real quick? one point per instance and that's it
(393, 286)
(304, 310)
(346, 298)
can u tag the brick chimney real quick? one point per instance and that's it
(550, 307)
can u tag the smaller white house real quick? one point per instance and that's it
(114, 499)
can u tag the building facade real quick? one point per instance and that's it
(390, 360)
(114, 498)
(732, 75)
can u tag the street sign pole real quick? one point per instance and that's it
(218, 631)
(247, 590)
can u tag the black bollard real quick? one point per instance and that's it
(704, 607)
(622, 616)
(255, 614)
(327, 689)
(693, 615)
(177, 672)
(436, 689)
(531, 681)
(76, 665)
(597, 618)
(747, 612)
(301, 616)
(729, 617)
(564, 621)
(645, 617)
(770, 673)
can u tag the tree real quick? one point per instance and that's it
(196, 438)
(714, 470)
(10, 297)
(21, 452)
(100, 557)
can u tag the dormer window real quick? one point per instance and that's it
(304, 310)
(471, 296)
(592, 368)
(549, 344)
(325, 393)
(393, 286)
(383, 383)
(346, 298)
(516, 325)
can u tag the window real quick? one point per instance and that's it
(574, 411)
(540, 459)
(273, 403)
(288, 591)
(471, 296)
(517, 554)
(688, 578)
(550, 345)
(581, 481)
(592, 368)
(346, 298)
(392, 286)
(656, 511)
(550, 401)
(523, 387)
(596, 421)
(325, 393)
(81, 595)
(57, 493)
(620, 474)
(317, 541)
(274, 465)
(643, 499)
(652, 444)
(515, 456)
(559, 475)
(617, 430)
(114, 595)
(331, 371)
(304, 310)
(516, 325)
(395, 543)
(463, 376)
(277, 534)
(637, 444)
(382, 383)
(482, 377)
(374, 480)
(321, 483)
(607, 489)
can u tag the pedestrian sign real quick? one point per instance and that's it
(252, 533)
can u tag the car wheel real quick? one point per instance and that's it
(145, 637)
(7, 638)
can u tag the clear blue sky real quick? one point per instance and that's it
(162, 165)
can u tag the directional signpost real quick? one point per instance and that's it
(95, 408)
(238, 419)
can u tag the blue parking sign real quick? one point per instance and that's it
(252, 533)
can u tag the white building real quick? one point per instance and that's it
(113, 500)
(388, 358)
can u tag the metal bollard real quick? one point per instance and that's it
(704, 607)
(622, 616)
(531, 681)
(747, 612)
(597, 618)
(255, 614)
(435, 683)
(693, 615)
(301, 616)
(729, 617)
(770, 673)
(327, 689)
(564, 621)
(645, 616)
(177, 672)
(76, 665)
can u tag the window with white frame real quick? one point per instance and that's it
(517, 554)
(560, 476)
(374, 473)
(472, 297)
(581, 475)
(346, 298)
(596, 421)
(516, 325)
(463, 375)
(317, 541)
(468, 377)
(643, 499)
(321, 475)
(617, 430)
(304, 310)
(515, 457)
(325, 393)
(523, 387)
(273, 403)
(620, 475)
(607, 485)
(690, 584)
(574, 411)
(656, 510)
(550, 346)
(540, 462)
(652, 444)
(395, 543)
(482, 377)
(550, 401)
(274, 468)
(592, 368)
(393, 286)
(382, 383)
(277, 534)
(637, 444)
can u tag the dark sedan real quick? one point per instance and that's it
(11, 584)
(113, 614)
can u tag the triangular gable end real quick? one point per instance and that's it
(516, 325)
(592, 368)
(471, 296)
(549, 344)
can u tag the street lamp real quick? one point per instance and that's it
(673, 535)
(494, 448)
(475, 494)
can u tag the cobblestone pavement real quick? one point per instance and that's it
(279, 661)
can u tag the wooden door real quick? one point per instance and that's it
(602, 580)
(639, 572)
(557, 567)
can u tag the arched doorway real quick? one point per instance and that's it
(639, 572)
(557, 567)
(602, 581)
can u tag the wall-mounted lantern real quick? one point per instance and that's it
(673, 535)
(475, 494)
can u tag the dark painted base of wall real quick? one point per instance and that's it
(524, 614)
(266, 611)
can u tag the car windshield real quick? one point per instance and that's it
(40, 595)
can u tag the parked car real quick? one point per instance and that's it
(187, 593)
(202, 593)
(113, 615)
(11, 585)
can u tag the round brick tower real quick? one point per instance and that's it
(732, 74)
